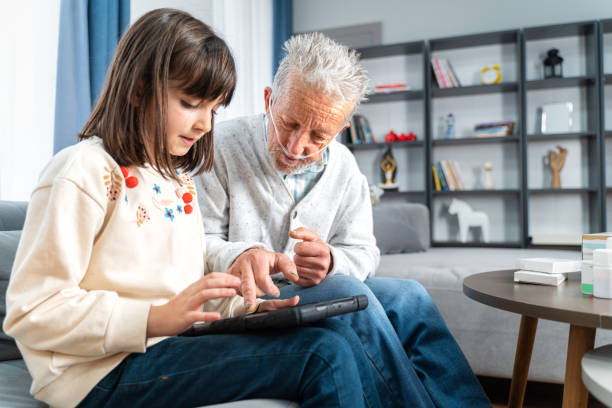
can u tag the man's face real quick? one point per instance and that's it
(307, 121)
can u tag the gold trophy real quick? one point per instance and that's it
(389, 167)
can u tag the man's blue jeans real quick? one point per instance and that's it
(319, 366)
(402, 332)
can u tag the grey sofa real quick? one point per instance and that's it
(486, 335)
(15, 380)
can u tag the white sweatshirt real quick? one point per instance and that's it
(94, 256)
(245, 203)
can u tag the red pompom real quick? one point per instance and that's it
(131, 182)
(124, 171)
(188, 209)
(187, 198)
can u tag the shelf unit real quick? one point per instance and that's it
(579, 43)
(523, 210)
(396, 110)
(498, 47)
(605, 68)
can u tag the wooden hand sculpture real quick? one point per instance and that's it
(556, 162)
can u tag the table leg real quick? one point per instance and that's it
(522, 358)
(581, 340)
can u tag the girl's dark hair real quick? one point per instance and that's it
(162, 45)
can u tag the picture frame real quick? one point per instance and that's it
(557, 117)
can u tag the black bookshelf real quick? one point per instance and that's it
(512, 86)
(590, 80)
(562, 190)
(474, 90)
(371, 146)
(492, 192)
(395, 96)
(557, 136)
(475, 140)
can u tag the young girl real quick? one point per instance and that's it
(111, 260)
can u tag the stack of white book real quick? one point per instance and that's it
(545, 271)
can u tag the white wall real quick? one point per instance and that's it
(29, 33)
(411, 20)
(246, 26)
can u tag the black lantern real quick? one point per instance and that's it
(553, 64)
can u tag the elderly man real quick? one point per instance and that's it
(287, 199)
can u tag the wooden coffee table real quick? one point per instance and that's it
(563, 303)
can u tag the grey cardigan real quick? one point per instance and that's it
(245, 203)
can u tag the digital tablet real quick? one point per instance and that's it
(283, 318)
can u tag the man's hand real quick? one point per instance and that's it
(254, 267)
(312, 257)
(267, 305)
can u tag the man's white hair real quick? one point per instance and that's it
(330, 67)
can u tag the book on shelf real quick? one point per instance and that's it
(441, 176)
(451, 73)
(365, 123)
(458, 173)
(390, 88)
(359, 131)
(494, 129)
(353, 132)
(436, 178)
(445, 75)
(449, 176)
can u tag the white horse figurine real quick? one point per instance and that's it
(469, 218)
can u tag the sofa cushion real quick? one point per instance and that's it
(401, 227)
(9, 240)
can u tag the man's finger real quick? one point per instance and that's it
(285, 265)
(313, 249)
(278, 304)
(260, 264)
(304, 234)
(304, 264)
(248, 287)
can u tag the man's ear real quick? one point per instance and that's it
(267, 95)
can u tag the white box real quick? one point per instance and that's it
(591, 242)
(541, 278)
(549, 265)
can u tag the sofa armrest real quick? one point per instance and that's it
(12, 215)
(401, 227)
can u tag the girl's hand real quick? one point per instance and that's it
(267, 305)
(184, 309)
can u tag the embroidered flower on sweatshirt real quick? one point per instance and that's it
(179, 209)
(157, 189)
(169, 214)
(142, 215)
(113, 183)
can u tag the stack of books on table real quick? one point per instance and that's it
(545, 271)
(494, 129)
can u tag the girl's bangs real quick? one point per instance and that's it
(208, 74)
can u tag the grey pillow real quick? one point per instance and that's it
(9, 240)
(401, 227)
